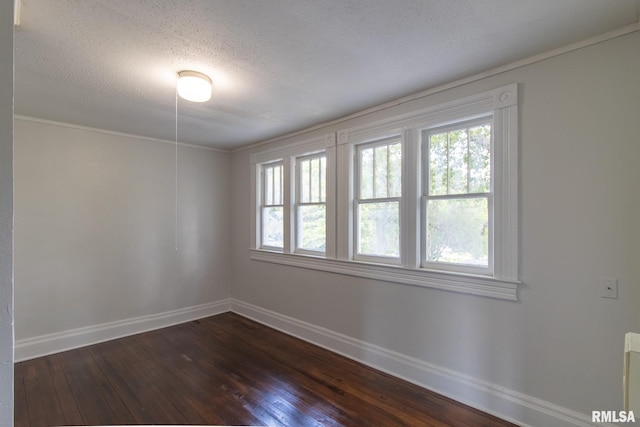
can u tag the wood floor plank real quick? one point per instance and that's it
(151, 385)
(46, 395)
(193, 387)
(129, 383)
(268, 397)
(318, 369)
(66, 400)
(34, 403)
(21, 410)
(201, 377)
(86, 387)
(224, 370)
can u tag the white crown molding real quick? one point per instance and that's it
(109, 132)
(623, 31)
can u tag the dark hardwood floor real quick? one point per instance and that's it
(222, 370)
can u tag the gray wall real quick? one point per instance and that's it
(95, 227)
(580, 207)
(6, 213)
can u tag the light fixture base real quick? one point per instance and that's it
(194, 86)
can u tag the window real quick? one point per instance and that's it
(457, 208)
(377, 201)
(294, 192)
(427, 198)
(272, 212)
(311, 210)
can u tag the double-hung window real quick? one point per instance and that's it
(377, 201)
(272, 209)
(311, 201)
(294, 191)
(428, 197)
(457, 201)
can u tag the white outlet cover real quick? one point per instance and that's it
(609, 287)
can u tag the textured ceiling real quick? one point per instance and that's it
(277, 65)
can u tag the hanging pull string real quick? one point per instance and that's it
(176, 175)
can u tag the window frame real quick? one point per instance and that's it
(502, 283)
(298, 203)
(289, 154)
(426, 197)
(358, 200)
(264, 205)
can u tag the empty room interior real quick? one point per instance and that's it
(376, 207)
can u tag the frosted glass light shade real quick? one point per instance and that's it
(194, 86)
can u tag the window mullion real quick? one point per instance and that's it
(388, 171)
(281, 184)
(373, 173)
(468, 162)
(448, 163)
(267, 182)
(459, 196)
(263, 192)
(409, 202)
(286, 198)
(319, 178)
(379, 200)
(345, 187)
(272, 182)
(297, 191)
(309, 179)
(331, 201)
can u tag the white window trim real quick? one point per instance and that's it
(297, 204)
(262, 204)
(461, 283)
(288, 155)
(424, 197)
(502, 104)
(360, 201)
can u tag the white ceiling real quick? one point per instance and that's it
(277, 65)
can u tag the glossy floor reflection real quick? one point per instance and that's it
(222, 370)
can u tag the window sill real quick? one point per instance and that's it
(455, 282)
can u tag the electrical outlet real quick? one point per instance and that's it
(609, 288)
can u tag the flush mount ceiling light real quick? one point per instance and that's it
(194, 86)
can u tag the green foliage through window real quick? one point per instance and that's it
(311, 208)
(458, 189)
(460, 161)
(378, 213)
(272, 205)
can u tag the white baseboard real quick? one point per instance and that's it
(507, 404)
(43, 345)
